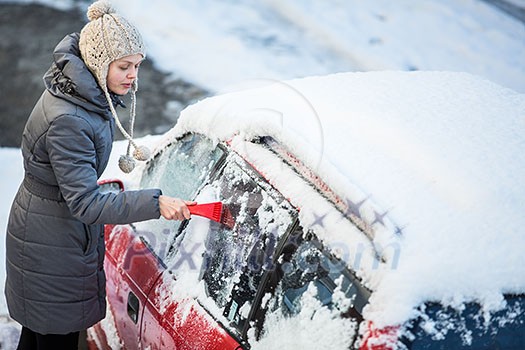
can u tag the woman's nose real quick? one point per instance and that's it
(132, 73)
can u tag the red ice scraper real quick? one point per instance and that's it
(215, 211)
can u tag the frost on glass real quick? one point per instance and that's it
(235, 260)
(315, 326)
(310, 267)
(317, 292)
(179, 171)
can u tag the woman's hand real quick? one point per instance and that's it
(174, 208)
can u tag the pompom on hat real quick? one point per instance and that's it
(105, 38)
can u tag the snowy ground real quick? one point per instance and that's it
(221, 44)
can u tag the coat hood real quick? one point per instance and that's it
(70, 79)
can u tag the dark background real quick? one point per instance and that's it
(29, 34)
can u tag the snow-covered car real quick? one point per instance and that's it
(372, 211)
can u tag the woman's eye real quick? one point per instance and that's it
(124, 67)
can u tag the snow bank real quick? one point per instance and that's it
(215, 44)
(442, 152)
(11, 174)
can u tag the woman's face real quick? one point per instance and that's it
(122, 73)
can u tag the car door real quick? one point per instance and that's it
(131, 271)
(135, 253)
(214, 273)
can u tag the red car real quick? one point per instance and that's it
(290, 273)
(240, 269)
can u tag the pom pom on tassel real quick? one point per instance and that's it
(126, 163)
(142, 153)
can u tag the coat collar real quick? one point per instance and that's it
(70, 79)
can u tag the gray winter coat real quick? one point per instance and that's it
(55, 241)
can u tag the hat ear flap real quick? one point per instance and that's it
(102, 77)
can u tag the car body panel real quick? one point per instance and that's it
(185, 324)
(132, 271)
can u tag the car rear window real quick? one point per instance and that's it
(309, 267)
(316, 290)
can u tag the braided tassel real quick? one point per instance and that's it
(141, 152)
(126, 162)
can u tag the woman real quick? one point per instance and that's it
(55, 283)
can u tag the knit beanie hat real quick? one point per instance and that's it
(105, 38)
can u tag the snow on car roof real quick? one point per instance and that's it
(442, 153)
